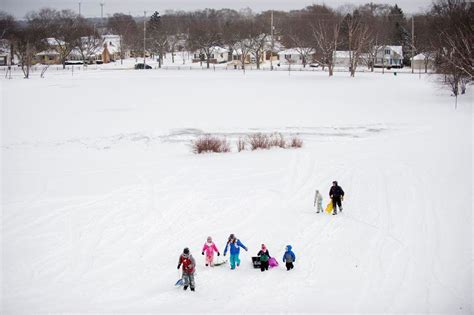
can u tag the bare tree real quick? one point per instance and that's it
(325, 33)
(376, 16)
(126, 27)
(62, 27)
(357, 37)
(90, 43)
(296, 33)
(27, 41)
(159, 36)
(205, 33)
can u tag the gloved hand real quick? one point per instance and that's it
(179, 266)
(218, 254)
(202, 253)
(224, 254)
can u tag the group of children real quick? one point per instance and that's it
(188, 264)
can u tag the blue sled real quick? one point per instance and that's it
(179, 282)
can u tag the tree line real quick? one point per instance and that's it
(444, 33)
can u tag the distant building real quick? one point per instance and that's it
(423, 62)
(389, 57)
(217, 55)
(5, 57)
(292, 56)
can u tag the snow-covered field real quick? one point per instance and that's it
(100, 192)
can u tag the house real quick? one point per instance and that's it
(342, 58)
(217, 55)
(111, 49)
(388, 57)
(293, 56)
(423, 62)
(237, 57)
(272, 53)
(4, 52)
(48, 57)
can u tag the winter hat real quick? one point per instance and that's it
(209, 239)
(231, 237)
(186, 251)
(335, 182)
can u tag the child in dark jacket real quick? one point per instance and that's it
(289, 258)
(264, 255)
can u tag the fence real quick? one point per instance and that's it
(16, 70)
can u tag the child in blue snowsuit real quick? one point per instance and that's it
(289, 258)
(235, 245)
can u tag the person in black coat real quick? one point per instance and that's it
(337, 195)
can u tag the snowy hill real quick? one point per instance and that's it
(101, 193)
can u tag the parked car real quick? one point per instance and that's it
(142, 66)
(314, 65)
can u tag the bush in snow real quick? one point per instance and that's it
(258, 141)
(208, 143)
(277, 140)
(296, 142)
(241, 145)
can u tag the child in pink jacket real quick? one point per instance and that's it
(209, 248)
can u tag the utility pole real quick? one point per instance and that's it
(102, 12)
(144, 41)
(273, 43)
(79, 8)
(412, 43)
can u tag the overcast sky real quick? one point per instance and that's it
(91, 8)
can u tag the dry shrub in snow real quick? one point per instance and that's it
(296, 142)
(241, 145)
(209, 143)
(277, 140)
(258, 141)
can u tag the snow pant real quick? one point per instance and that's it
(289, 265)
(210, 260)
(336, 202)
(188, 279)
(234, 259)
(320, 206)
(263, 265)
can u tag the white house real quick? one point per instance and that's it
(389, 57)
(5, 57)
(217, 55)
(423, 62)
(291, 56)
(341, 58)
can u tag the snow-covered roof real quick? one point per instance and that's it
(341, 54)
(219, 50)
(49, 52)
(290, 51)
(54, 42)
(422, 57)
(4, 46)
(397, 49)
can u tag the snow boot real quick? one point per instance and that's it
(192, 289)
(185, 287)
